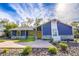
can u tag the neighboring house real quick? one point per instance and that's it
(2, 30)
(21, 32)
(53, 29)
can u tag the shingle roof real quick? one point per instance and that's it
(22, 28)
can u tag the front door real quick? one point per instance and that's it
(39, 34)
(26, 34)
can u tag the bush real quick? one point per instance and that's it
(5, 50)
(63, 46)
(51, 40)
(26, 51)
(76, 40)
(53, 50)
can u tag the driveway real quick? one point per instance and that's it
(10, 44)
(36, 44)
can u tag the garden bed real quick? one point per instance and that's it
(72, 51)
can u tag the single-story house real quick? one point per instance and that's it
(53, 29)
(21, 32)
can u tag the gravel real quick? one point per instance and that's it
(73, 50)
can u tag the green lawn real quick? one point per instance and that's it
(23, 40)
(29, 39)
(2, 40)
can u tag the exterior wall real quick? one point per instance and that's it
(27, 33)
(50, 31)
(54, 31)
(2, 33)
(18, 35)
(46, 31)
(65, 31)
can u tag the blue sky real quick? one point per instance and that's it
(18, 12)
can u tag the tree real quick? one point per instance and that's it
(36, 24)
(75, 24)
(27, 23)
(9, 26)
(76, 29)
(24, 24)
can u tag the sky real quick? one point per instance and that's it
(18, 12)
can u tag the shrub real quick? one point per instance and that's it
(63, 46)
(76, 40)
(52, 49)
(51, 40)
(26, 51)
(5, 50)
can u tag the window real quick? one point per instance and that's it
(54, 32)
(14, 33)
(22, 33)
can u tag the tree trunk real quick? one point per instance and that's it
(35, 33)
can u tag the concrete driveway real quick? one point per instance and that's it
(10, 44)
(36, 44)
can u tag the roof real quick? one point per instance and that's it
(22, 28)
(31, 28)
(54, 20)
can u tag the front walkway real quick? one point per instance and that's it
(37, 44)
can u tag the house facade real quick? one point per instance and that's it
(57, 30)
(21, 33)
(53, 29)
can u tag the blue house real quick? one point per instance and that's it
(53, 29)
(57, 30)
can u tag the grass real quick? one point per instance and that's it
(24, 40)
(29, 39)
(1, 40)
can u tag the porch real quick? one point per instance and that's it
(21, 33)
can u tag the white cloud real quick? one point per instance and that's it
(64, 12)
(6, 15)
(30, 12)
(67, 12)
(19, 10)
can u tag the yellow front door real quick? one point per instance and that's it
(39, 34)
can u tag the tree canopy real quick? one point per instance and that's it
(8, 25)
